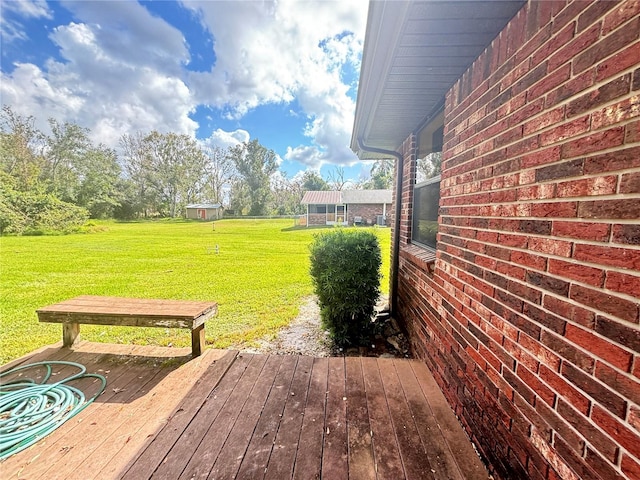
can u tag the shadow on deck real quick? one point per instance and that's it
(230, 415)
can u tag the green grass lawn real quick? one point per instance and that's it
(259, 278)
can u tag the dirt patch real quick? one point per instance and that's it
(305, 336)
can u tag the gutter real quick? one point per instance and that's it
(396, 220)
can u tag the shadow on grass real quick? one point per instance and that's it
(304, 227)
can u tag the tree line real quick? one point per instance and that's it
(57, 181)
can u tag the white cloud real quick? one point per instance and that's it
(13, 12)
(122, 69)
(120, 74)
(272, 52)
(222, 139)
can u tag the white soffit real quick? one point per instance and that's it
(414, 51)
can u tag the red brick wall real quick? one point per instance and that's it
(368, 212)
(530, 322)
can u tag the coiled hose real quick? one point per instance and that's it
(30, 410)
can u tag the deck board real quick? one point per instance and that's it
(230, 415)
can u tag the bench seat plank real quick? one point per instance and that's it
(130, 312)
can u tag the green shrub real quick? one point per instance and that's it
(345, 268)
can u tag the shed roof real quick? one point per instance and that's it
(414, 51)
(325, 197)
(322, 197)
(204, 205)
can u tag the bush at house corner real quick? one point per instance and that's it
(345, 268)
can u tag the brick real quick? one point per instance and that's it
(626, 234)
(566, 130)
(566, 391)
(523, 291)
(619, 432)
(604, 94)
(574, 460)
(593, 13)
(592, 143)
(605, 255)
(561, 427)
(630, 467)
(617, 112)
(551, 246)
(632, 132)
(635, 84)
(542, 391)
(572, 312)
(630, 182)
(576, 271)
(599, 392)
(546, 119)
(598, 232)
(599, 347)
(625, 58)
(627, 336)
(578, 419)
(611, 162)
(572, 168)
(554, 209)
(552, 322)
(607, 46)
(551, 81)
(634, 417)
(588, 187)
(567, 47)
(519, 386)
(567, 351)
(572, 87)
(540, 157)
(538, 227)
(623, 283)
(540, 352)
(625, 385)
(623, 209)
(600, 466)
(623, 12)
(529, 260)
(604, 302)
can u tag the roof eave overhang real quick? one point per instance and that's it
(414, 52)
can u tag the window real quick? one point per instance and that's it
(317, 209)
(426, 192)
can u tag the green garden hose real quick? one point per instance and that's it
(30, 410)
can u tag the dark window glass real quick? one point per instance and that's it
(426, 199)
(317, 209)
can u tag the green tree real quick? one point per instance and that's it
(100, 182)
(255, 164)
(220, 174)
(313, 182)
(21, 146)
(381, 175)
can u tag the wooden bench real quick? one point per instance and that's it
(130, 312)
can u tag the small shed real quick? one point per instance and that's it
(204, 211)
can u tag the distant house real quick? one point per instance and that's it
(349, 207)
(204, 211)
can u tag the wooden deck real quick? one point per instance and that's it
(230, 415)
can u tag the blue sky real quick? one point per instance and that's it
(285, 72)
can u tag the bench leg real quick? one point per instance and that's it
(197, 341)
(70, 332)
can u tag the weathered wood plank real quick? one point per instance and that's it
(412, 452)
(257, 455)
(150, 456)
(283, 454)
(361, 462)
(335, 450)
(204, 457)
(67, 438)
(120, 428)
(468, 461)
(440, 456)
(177, 458)
(230, 457)
(309, 458)
(388, 463)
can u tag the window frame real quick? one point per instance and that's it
(416, 188)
